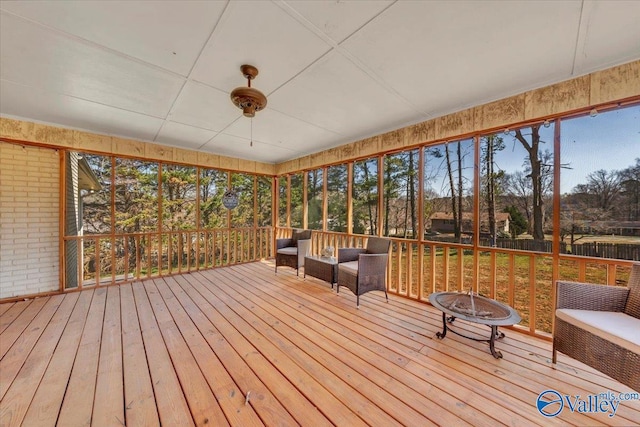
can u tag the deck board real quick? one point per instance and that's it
(46, 403)
(140, 403)
(77, 404)
(18, 397)
(188, 349)
(16, 320)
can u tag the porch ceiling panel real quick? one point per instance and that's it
(609, 33)
(334, 72)
(163, 33)
(267, 125)
(184, 136)
(339, 96)
(20, 101)
(233, 146)
(261, 34)
(202, 106)
(466, 53)
(38, 56)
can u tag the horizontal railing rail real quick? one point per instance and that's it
(95, 260)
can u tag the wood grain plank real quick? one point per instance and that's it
(474, 354)
(140, 403)
(230, 398)
(303, 411)
(202, 402)
(170, 400)
(16, 320)
(77, 405)
(3, 309)
(356, 346)
(327, 403)
(15, 402)
(270, 410)
(15, 357)
(366, 385)
(47, 401)
(10, 311)
(108, 406)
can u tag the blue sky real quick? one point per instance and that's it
(609, 141)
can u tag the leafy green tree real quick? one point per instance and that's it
(337, 198)
(178, 197)
(264, 200)
(314, 198)
(517, 223)
(365, 197)
(296, 200)
(244, 185)
(282, 201)
(213, 184)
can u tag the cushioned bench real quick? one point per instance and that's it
(600, 326)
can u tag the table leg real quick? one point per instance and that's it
(494, 335)
(444, 327)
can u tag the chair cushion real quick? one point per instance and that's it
(349, 267)
(289, 250)
(618, 328)
(300, 235)
(378, 245)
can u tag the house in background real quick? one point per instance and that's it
(80, 181)
(443, 222)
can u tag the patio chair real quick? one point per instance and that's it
(291, 252)
(600, 327)
(364, 269)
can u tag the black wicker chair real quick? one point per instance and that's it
(364, 269)
(291, 252)
(600, 326)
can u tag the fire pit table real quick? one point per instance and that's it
(477, 309)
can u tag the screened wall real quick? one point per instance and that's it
(504, 213)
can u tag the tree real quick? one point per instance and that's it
(603, 187)
(492, 174)
(365, 197)
(630, 192)
(213, 184)
(400, 210)
(532, 145)
(394, 167)
(517, 223)
(518, 186)
(337, 198)
(314, 198)
(296, 191)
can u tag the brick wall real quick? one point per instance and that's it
(29, 227)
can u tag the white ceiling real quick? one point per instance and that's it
(334, 71)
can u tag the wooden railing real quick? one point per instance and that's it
(106, 259)
(523, 279)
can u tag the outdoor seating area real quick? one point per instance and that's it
(175, 213)
(241, 346)
(600, 326)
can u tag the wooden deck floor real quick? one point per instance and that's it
(242, 346)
